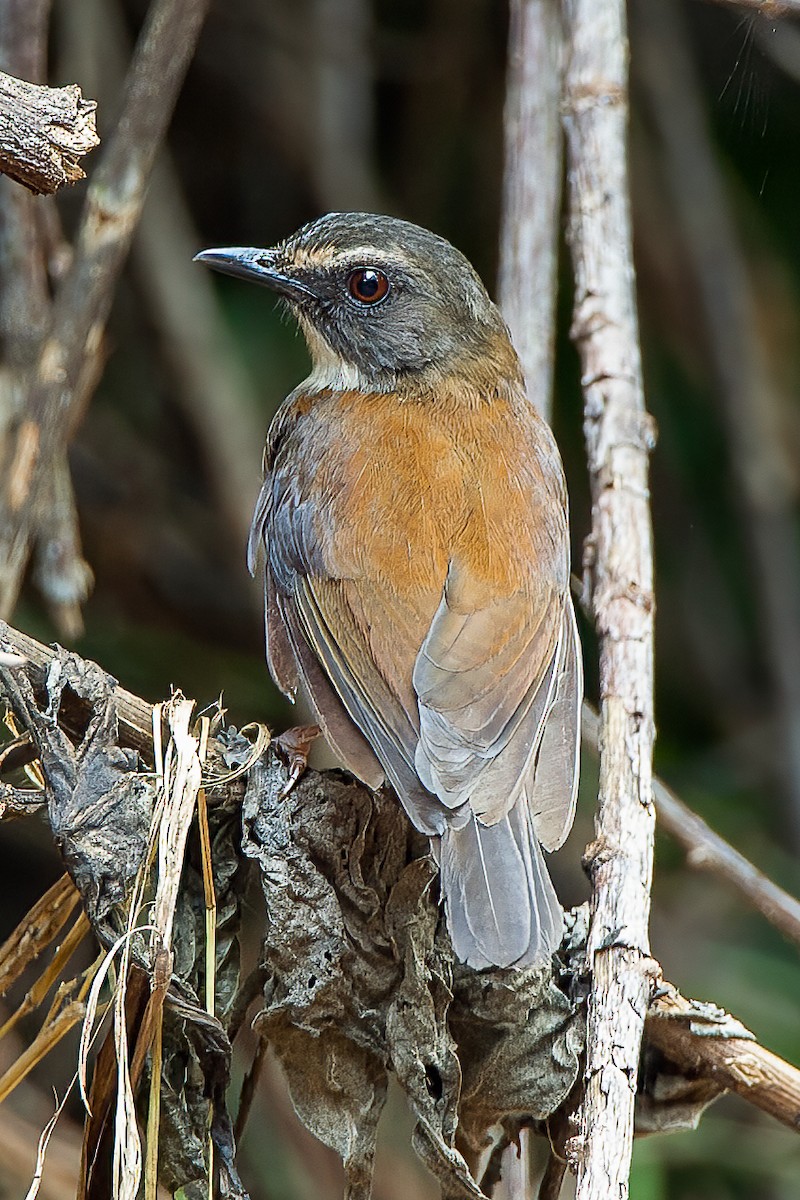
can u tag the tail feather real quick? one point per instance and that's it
(501, 907)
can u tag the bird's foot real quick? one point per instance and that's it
(293, 746)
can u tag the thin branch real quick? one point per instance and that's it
(703, 1040)
(707, 851)
(135, 715)
(619, 435)
(113, 205)
(339, 44)
(43, 133)
(560, 1128)
(532, 184)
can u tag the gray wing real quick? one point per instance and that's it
(499, 690)
(500, 695)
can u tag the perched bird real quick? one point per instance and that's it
(414, 512)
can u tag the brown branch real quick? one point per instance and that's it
(559, 1128)
(215, 394)
(701, 1040)
(619, 436)
(43, 133)
(707, 851)
(41, 925)
(340, 136)
(135, 715)
(532, 182)
(113, 205)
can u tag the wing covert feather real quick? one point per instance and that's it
(328, 612)
(485, 680)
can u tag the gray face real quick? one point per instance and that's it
(386, 296)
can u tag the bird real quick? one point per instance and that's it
(417, 583)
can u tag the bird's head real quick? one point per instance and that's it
(381, 302)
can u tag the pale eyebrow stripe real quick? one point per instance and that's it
(361, 256)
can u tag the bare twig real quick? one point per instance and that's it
(732, 1058)
(532, 190)
(619, 435)
(707, 851)
(42, 924)
(113, 206)
(740, 358)
(43, 133)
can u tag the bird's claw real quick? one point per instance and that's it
(293, 747)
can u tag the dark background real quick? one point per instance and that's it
(295, 108)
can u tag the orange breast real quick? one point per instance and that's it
(411, 484)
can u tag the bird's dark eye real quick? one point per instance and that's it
(368, 286)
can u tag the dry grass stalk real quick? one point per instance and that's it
(178, 769)
(51, 974)
(36, 930)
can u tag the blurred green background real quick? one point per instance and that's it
(298, 107)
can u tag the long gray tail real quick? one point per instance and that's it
(501, 907)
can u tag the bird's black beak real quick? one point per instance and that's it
(259, 266)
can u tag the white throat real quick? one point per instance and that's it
(331, 372)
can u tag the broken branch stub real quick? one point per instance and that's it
(44, 131)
